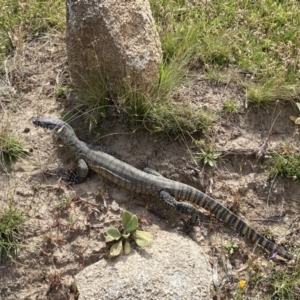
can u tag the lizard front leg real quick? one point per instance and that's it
(80, 173)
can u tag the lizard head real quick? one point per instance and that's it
(57, 126)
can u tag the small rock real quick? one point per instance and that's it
(115, 206)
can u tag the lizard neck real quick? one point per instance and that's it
(72, 141)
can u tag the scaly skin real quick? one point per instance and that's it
(151, 183)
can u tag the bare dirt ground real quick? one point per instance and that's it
(65, 226)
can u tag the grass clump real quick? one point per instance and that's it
(152, 108)
(62, 91)
(230, 107)
(10, 148)
(271, 91)
(167, 117)
(177, 120)
(286, 165)
(11, 219)
(283, 283)
(279, 282)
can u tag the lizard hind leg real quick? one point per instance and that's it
(182, 207)
(79, 174)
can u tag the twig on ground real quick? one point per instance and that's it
(270, 189)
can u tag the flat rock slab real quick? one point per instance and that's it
(174, 267)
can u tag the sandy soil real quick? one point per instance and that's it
(65, 225)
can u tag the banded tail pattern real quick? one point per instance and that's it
(229, 218)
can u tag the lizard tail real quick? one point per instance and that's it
(239, 225)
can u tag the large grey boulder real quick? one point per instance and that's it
(113, 41)
(174, 267)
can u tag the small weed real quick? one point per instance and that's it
(231, 246)
(55, 281)
(11, 219)
(255, 273)
(285, 283)
(286, 165)
(208, 156)
(71, 221)
(62, 91)
(241, 289)
(64, 204)
(10, 148)
(74, 290)
(129, 224)
(280, 282)
(230, 107)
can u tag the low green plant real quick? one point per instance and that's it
(62, 91)
(231, 246)
(271, 91)
(64, 204)
(208, 156)
(230, 107)
(129, 231)
(280, 282)
(11, 219)
(177, 120)
(286, 165)
(285, 283)
(10, 148)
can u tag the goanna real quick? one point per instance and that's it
(149, 182)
